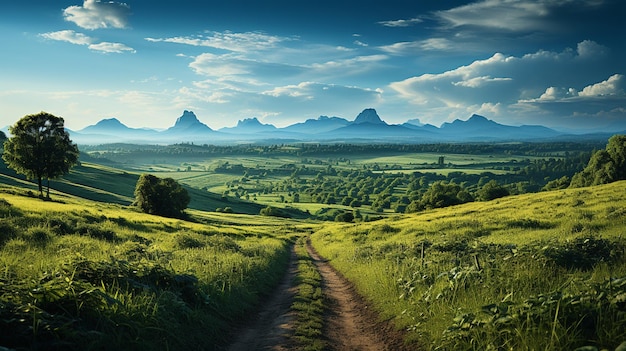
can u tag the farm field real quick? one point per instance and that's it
(328, 180)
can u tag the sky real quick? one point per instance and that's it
(558, 63)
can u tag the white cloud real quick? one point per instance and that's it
(509, 15)
(412, 47)
(75, 38)
(477, 82)
(589, 48)
(95, 14)
(358, 63)
(229, 41)
(68, 36)
(543, 82)
(615, 85)
(111, 48)
(401, 22)
(554, 93)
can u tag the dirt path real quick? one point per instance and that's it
(350, 325)
(272, 327)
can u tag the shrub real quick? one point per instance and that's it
(584, 252)
(7, 231)
(96, 231)
(39, 236)
(186, 241)
(273, 211)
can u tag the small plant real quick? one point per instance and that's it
(39, 236)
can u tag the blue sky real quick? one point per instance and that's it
(560, 63)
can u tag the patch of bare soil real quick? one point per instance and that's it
(271, 328)
(350, 323)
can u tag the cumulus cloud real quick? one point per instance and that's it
(516, 83)
(229, 41)
(95, 14)
(615, 85)
(75, 38)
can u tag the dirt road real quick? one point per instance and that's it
(350, 324)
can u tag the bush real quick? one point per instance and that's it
(96, 231)
(186, 241)
(273, 211)
(584, 252)
(345, 217)
(7, 232)
(39, 236)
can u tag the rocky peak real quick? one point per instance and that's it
(248, 122)
(368, 115)
(187, 119)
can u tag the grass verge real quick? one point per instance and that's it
(308, 302)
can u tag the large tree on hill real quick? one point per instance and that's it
(40, 148)
(163, 197)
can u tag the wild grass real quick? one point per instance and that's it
(308, 302)
(80, 275)
(540, 271)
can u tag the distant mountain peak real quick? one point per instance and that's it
(249, 122)
(415, 122)
(110, 122)
(188, 118)
(107, 124)
(476, 117)
(189, 122)
(368, 115)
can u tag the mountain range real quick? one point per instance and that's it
(366, 127)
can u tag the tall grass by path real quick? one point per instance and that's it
(540, 271)
(308, 302)
(80, 275)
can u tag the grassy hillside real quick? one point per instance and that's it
(542, 271)
(81, 275)
(110, 185)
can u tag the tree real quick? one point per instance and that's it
(605, 166)
(163, 197)
(40, 148)
(441, 194)
(491, 191)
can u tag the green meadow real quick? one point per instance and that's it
(77, 274)
(540, 271)
(535, 270)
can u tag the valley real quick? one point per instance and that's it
(527, 270)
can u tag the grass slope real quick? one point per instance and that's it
(536, 271)
(80, 275)
(110, 185)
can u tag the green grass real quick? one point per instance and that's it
(111, 185)
(538, 271)
(81, 275)
(308, 302)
